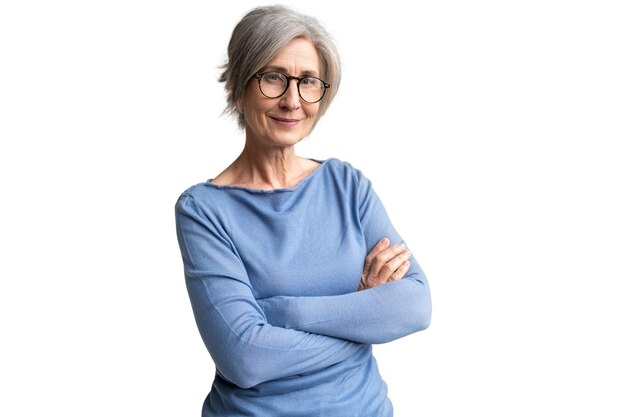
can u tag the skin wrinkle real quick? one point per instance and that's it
(268, 160)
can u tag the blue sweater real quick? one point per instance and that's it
(272, 277)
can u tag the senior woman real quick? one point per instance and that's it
(292, 265)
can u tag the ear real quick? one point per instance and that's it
(239, 105)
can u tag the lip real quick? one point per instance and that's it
(285, 121)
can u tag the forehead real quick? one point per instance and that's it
(298, 56)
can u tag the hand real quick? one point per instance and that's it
(384, 264)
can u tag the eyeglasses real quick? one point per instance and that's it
(274, 84)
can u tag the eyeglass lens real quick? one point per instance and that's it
(275, 84)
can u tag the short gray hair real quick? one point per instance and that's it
(259, 36)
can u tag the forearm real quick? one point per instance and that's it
(376, 315)
(247, 350)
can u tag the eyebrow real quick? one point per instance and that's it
(284, 70)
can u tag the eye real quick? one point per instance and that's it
(309, 82)
(273, 77)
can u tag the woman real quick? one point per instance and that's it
(292, 265)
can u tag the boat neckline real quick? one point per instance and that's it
(304, 180)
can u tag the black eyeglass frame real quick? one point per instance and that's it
(260, 75)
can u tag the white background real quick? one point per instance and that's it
(492, 130)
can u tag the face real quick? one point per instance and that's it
(285, 120)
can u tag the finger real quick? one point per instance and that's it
(392, 265)
(393, 270)
(381, 259)
(379, 247)
(400, 272)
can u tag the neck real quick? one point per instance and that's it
(268, 168)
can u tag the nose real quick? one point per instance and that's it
(291, 99)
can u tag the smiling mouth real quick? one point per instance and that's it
(285, 121)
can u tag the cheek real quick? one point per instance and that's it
(251, 99)
(312, 111)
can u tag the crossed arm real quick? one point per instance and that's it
(245, 336)
(243, 345)
(376, 313)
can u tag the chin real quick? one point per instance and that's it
(289, 138)
(287, 141)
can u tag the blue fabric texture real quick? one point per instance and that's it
(272, 277)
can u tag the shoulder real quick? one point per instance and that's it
(198, 197)
(346, 171)
(194, 192)
(342, 167)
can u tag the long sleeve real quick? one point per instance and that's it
(376, 315)
(246, 349)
